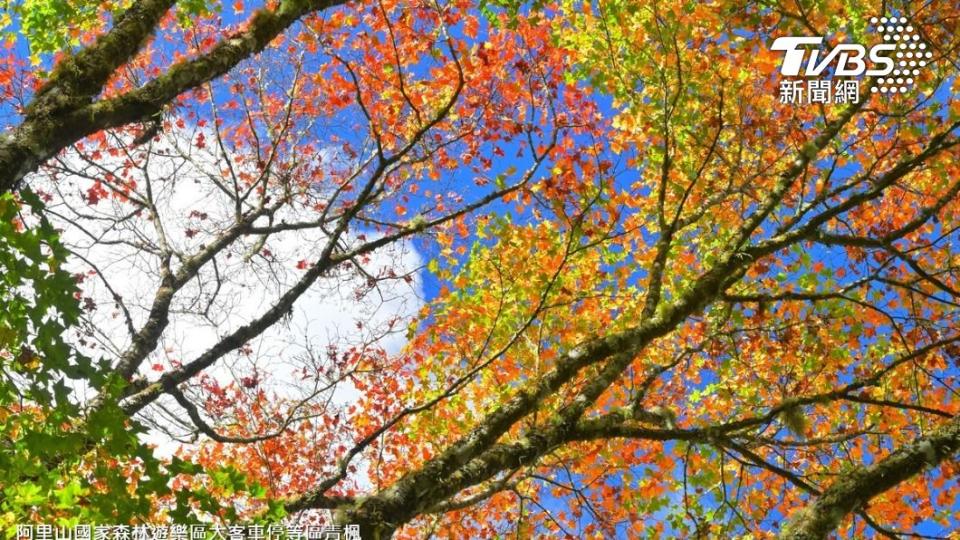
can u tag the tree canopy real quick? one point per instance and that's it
(451, 269)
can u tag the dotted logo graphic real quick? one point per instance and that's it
(911, 54)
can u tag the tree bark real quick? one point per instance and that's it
(855, 490)
(65, 111)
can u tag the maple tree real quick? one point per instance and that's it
(656, 300)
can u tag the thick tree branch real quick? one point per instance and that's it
(855, 490)
(62, 112)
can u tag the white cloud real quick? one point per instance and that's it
(251, 275)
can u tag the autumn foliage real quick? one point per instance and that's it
(472, 270)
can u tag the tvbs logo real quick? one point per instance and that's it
(901, 54)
